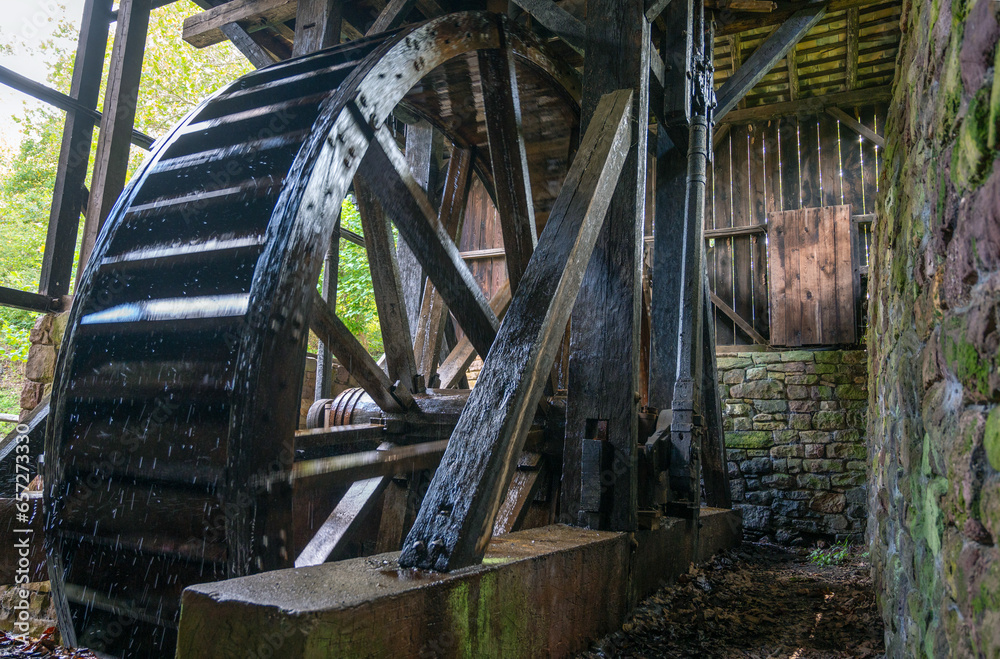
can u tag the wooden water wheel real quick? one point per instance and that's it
(175, 409)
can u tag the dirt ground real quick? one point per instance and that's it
(758, 601)
(754, 602)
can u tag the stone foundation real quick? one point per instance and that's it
(795, 439)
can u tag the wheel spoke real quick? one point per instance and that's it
(509, 160)
(407, 204)
(386, 286)
(353, 356)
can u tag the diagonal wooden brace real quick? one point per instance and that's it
(456, 519)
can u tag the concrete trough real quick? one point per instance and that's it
(544, 592)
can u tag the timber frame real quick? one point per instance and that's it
(597, 396)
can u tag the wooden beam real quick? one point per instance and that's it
(68, 196)
(252, 46)
(522, 491)
(421, 140)
(350, 512)
(353, 356)
(51, 96)
(657, 67)
(434, 311)
(328, 291)
(557, 20)
(205, 29)
(654, 8)
(453, 368)
(766, 56)
(391, 16)
(793, 75)
(352, 237)
(508, 159)
(325, 472)
(341, 437)
(735, 231)
(734, 22)
(11, 297)
(113, 16)
(604, 342)
(856, 126)
(755, 6)
(121, 96)
(738, 319)
(736, 55)
(396, 336)
(456, 519)
(476, 254)
(811, 105)
(675, 49)
(317, 25)
(385, 169)
(853, 36)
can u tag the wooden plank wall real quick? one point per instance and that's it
(764, 168)
(810, 248)
(481, 231)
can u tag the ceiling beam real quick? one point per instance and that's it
(734, 22)
(811, 105)
(205, 29)
(774, 48)
(557, 20)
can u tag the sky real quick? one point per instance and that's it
(30, 22)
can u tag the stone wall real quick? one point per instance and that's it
(794, 426)
(934, 513)
(46, 336)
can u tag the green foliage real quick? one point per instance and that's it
(176, 78)
(355, 297)
(834, 555)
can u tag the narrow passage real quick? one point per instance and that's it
(759, 601)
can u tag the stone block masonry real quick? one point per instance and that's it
(46, 337)
(795, 442)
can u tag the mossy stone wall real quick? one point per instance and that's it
(795, 423)
(934, 429)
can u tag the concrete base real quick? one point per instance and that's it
(543, 592)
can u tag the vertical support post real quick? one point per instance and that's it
(331, 269)
(853, 31)
(317, 25)
(74, 156)
(604, 348)
(420, 145)
(671, 188)
(120, 100)
(687, 423)
(512, 183)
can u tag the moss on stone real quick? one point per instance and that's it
(965, 362)
(991, 438)
(972, 157)
(754, 439)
